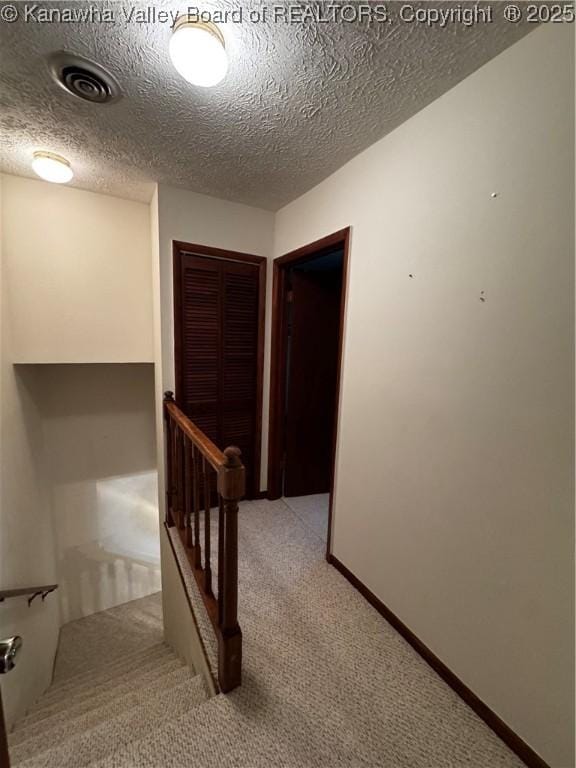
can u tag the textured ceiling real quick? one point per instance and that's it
(300, 99)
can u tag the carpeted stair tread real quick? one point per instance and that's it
(90, 707)
(92, 678)
(92, 673)
(107, 690)
(109, 635)
(204, 729)
(95, 743)
(27, 742)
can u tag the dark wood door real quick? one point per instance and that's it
(311, 380)
(217, 319)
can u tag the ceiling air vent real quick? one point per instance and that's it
(84, 78)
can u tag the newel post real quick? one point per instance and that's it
(231, 487)
(169, 465)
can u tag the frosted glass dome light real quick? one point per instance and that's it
(51, 167)
(198, 52)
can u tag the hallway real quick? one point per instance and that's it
(326, 681)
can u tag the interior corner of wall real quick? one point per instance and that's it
(154, 199)
(160, 193)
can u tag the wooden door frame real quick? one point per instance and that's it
(179, 247)
(276, 435)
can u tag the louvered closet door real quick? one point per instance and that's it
(219, 351)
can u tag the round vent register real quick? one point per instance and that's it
(83, 78)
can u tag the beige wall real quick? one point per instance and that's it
(79, 263)
(454, 489)
(78, 498)
(157, 344)
(101, 452)
(27, 555)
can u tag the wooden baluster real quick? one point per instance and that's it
(220, 555)
(176, 478)
(168, 478)
(207, 567)
(181, 482)
(196, 507)
(188, 449)
(231, 485)
(176, 495)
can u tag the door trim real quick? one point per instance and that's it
(180, 248)
(276, 433)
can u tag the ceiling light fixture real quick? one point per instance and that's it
(51, 167)
(198, 51)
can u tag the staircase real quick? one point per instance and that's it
(115, 682)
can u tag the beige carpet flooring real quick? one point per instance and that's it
(327, 682)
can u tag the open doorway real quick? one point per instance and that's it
(307, 324)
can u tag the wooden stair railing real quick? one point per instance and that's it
(198, 473)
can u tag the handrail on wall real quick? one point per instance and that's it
(198, 472)
(42, 591)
